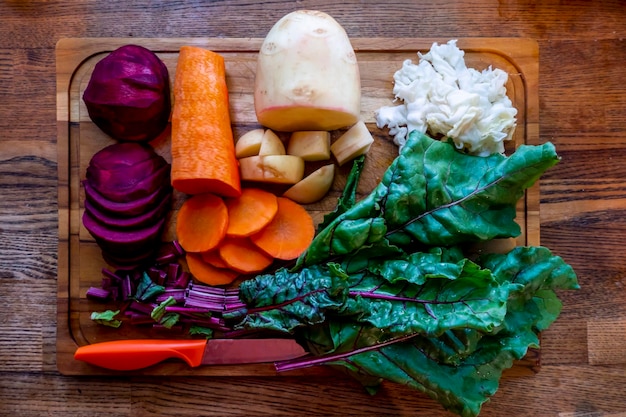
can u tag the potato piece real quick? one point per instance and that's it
(313, 187)
(271, 144)
(307, 75)
(277, 169)
(354, 142)
(249, 143)
(310, 145)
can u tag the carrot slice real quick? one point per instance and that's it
(250, 212)
(289, 233)
(207, 273)
(201, 222)
(244, 256)
(212, 257)
(202, 147)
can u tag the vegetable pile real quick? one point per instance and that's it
(385, 288)
(386, 292)
(225, 239)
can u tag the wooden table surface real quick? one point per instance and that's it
(582, 97)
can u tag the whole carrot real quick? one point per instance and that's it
(203, 148)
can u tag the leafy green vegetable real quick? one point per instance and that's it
(385, 291)
(106, 318)
(196, 330)
(348, 196)
(147, 289)
(161, 316)
(291, 300)
(436, 196)
(460, 368)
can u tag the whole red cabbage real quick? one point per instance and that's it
(128, 95)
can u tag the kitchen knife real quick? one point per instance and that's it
(126, 355)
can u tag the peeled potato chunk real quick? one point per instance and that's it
(307, 75)
(271, 144)
(313, 187)
(277, 169)
(310, 145)
(354, 142)
(249, 143)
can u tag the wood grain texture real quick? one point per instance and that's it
(582, 109)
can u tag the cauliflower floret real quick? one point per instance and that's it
(441, 96)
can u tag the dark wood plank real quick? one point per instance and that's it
(582, 102)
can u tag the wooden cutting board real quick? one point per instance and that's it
(79, 261)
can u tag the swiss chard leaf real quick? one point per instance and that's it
(533, 267)
(436, 196)
(348, 196)
(161, 316)
(285, 300)
(470, 297)
(147, 289)
(421, 292)
(460, 368)
(106, 318)
(533, 274)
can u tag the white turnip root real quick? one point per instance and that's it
(307, 75)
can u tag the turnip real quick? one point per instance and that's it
(354, 142)
(307, 75)
(276, 169)
(250, 143)
(271, 144)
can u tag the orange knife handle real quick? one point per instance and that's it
(127, 355)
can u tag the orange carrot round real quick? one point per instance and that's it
(213, 257)
(201, 222)
(243, 256)
(207, 273)
(250, 212)
(289, 233)
(202, 146)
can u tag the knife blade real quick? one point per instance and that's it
(133, 354)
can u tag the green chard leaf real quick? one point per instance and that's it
(285, 300)
(106, 318)
(460, 368)
(434, 195)
(196, 330)
(421, 292)
(147, 289)
(348, 196)
(533, 274)
(161, 316)
(462, 295)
